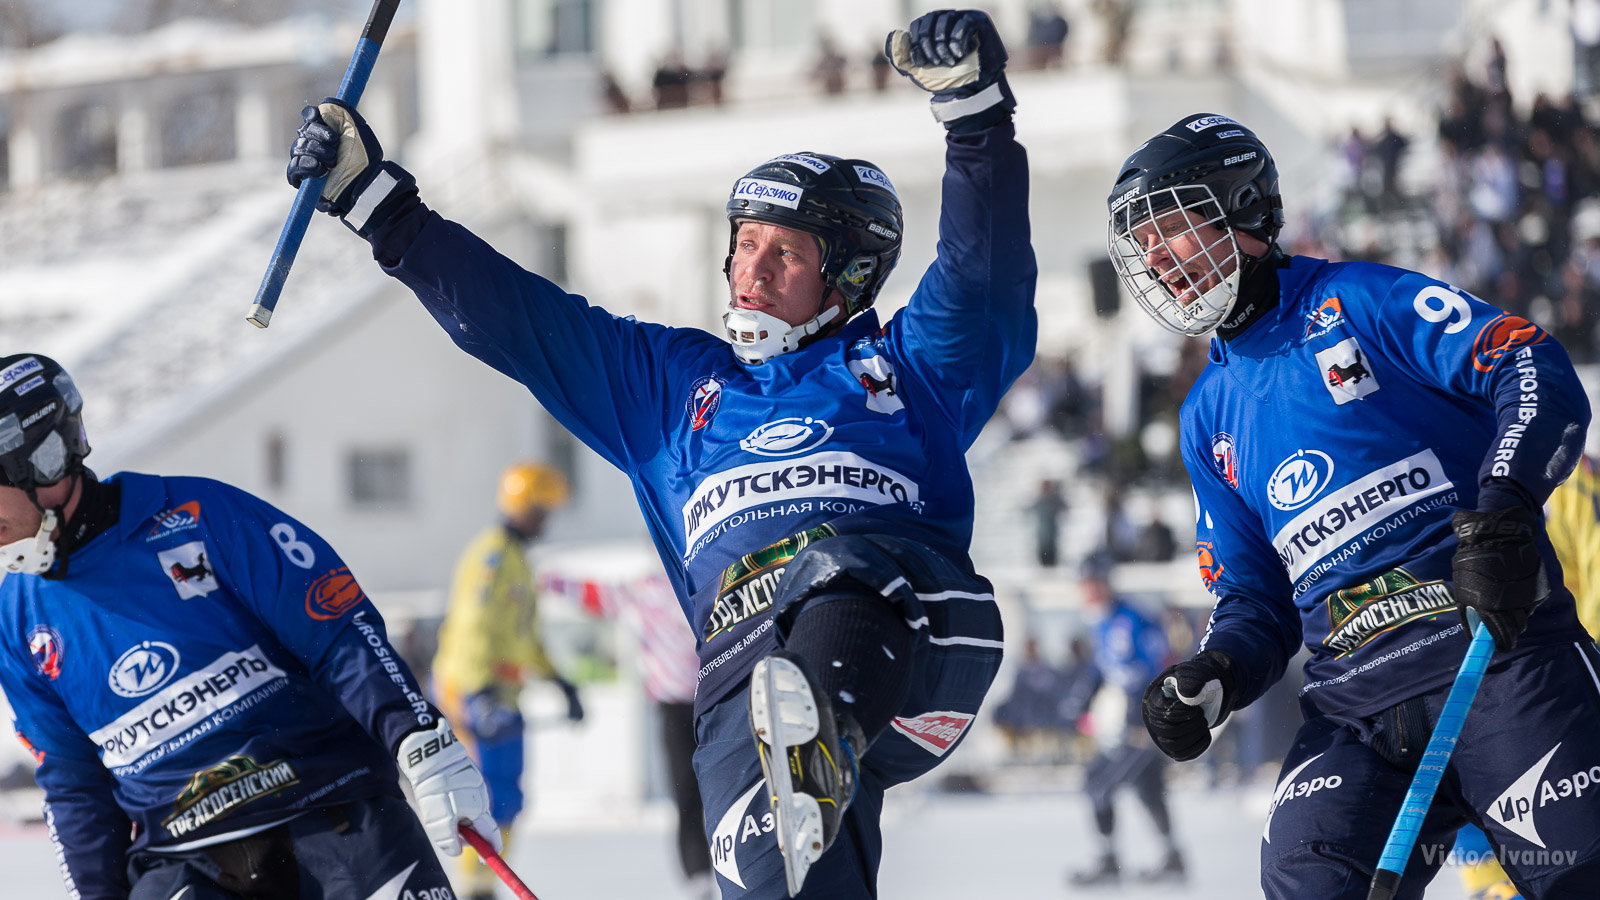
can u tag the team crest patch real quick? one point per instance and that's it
(876, 374)
(935, 732)
(189, 569)
(1225, 458)
(171, 522)
(1324, 318)
(1346, 372)
(45, 646)
(705, 398)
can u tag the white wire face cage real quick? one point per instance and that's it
(1198, 279)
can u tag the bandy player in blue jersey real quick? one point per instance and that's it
(802, 475)
(213, 704)
(1370, 449)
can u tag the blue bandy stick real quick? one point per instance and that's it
(1408, 824)
(305, 202)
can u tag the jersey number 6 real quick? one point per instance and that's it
(1450, 303)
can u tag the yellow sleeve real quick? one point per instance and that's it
(1573, 524)
(476, 646)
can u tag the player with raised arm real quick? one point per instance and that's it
(1369, 450)
(213, 704)
(806, 486)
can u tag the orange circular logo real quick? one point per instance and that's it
(1503, 335)
(332, 595)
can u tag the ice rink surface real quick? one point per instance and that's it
(938, 846)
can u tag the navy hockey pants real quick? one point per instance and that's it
(1526, 770)
(957, 652)
(361, 849)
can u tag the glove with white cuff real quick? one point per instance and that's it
(1186, 701)
(362, 188)
(958, 56)
(449, 787)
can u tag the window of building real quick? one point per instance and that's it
(554, 27)
(379, 478)
(772, 24)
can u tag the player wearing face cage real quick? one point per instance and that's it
(806, 486)
(1369, 450)
(212, 702)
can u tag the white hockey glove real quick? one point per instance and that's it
(449, 787)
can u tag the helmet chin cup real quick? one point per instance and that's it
(757, 336)
(32, 555)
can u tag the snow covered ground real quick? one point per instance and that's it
(937, 847)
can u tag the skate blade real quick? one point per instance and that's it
(783, 714)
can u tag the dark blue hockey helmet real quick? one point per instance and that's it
(41, 422)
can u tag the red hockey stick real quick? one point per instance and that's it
(495, 863)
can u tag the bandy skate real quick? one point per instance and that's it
(809, 765)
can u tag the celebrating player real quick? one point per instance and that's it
(805, 486)
(1369, 449)
(213, 704)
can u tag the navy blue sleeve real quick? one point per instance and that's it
(296, 584)
(1447, 338)
(1254, 621)
(970, 327)
(89, 831)
(600, 375)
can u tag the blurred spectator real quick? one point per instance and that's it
(1121, 537)
(1034, 718)
(1047, 36)
(1046, 510)
(829, 70)
(1387, 148)
(1129, 649)
(1586, 46)
(671, 83)
(1156, 542)
(881, 69)
(709, 77)
(1069, 399)
(616, 100)
(1118, 16)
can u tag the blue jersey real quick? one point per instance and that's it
(1129, 649)
(734, 465)
(1330, 443)
(208, 666)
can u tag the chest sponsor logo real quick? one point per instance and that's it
(750, 585)
(1346, 372)
(704, 400)
(875, 373)
(185, 703)
(222, 789)
(45, 646)
(191, 573)
(787, 437)
(1357, 615)
(738, 825)
(1338, 517)
(180, 518)
(764, 191)
(19, 370)
(1225, 458)
(1299, 479)
(143, 669)
(1518, 807)
(1324, 318)
(935, 732)
(831, 474)
(1504, 335)
(869, 175)
(333, 594)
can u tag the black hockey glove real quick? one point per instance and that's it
(958, 56)
(362, 187)
(1498, 571)
(1186, 701)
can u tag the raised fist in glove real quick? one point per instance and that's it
(958, 56)
(362, 187)
(449, 787)
(1186, 701)
(1498, 571)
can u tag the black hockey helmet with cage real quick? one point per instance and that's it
(1203, 149)
(848, 204)
(41, 422)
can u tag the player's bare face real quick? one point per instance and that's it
(776, 270)
(1189, 255)
(19, 518)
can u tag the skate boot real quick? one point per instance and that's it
(1104, 874)
(807, 756)
(1170, 871)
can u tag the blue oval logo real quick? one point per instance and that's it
(1299, 479)
(144, 669)
(786, 437)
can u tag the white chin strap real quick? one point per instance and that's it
(757, 336)
(32, 555)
